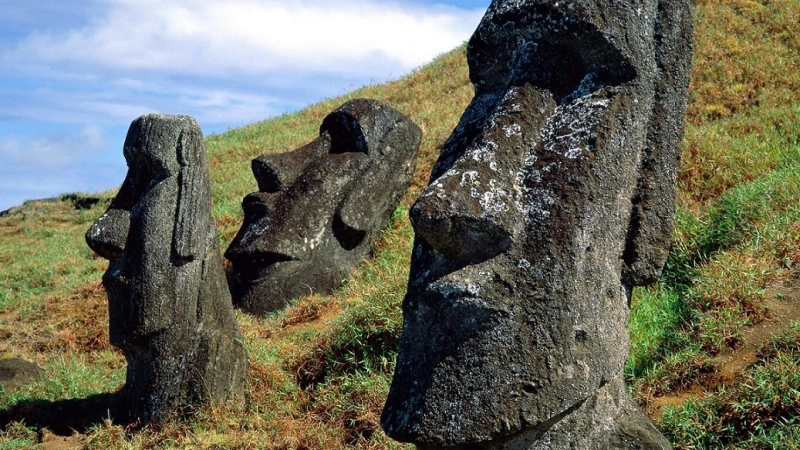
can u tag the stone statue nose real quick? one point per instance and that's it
(465, 214)
(108, 235)
(474, 211)
(257, 215)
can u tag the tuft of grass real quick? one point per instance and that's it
(716, 282)
(787, 341)
(655, 314)
(43, 253)
(17, 437)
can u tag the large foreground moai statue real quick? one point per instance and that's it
(318, 207)
(170, 310)
(552, 198)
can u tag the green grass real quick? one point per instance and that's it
(759, 412)
(43, 252)
(737, 238)
(320, 370)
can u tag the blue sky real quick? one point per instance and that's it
(73, 75)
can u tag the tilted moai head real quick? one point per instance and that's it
(317, 207)
(551, 199)
(170, 310)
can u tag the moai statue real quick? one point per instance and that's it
(551, 199)
(170, 311)
(318, 207)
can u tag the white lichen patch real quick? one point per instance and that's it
(533, 202)
(446, 175)
(494, 201)
(469, 178)
(457, 289)
(539, 201)
(437, 186)
(491, 196)
(570, 132)
(572, 128)
(255, 230)
(483, 153)
(512, 130)
(529, 171)
(310, 244)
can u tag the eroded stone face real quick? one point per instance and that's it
(550, 200)
(319, 207)
(170, 311)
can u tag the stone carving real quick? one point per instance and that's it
(551, 199)
(170, 310)
(318, 207)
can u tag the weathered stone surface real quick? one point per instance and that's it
(551, 199)
(170, 310)
(16, 372)
(318, 207)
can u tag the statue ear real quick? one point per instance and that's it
(194, 195)
(652, 217)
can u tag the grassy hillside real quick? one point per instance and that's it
(715, 345)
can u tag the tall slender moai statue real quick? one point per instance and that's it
(552, 198)
(170, 310)
(319, 208)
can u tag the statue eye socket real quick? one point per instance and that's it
(267, 175)
(345, 133)
(546, 48)
(347, 236)
(563, 67)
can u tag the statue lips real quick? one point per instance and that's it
(253, 269)
(247, 252)
(114, 278)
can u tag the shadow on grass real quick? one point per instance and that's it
(64, 417)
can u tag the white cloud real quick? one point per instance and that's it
(48, 164)
(50, 150)
(217, 38)
(62, 107)
(224, 106)
(118, 102)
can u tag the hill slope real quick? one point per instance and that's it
(715, 346)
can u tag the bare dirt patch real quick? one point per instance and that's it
(16, 372)
(50, 441)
